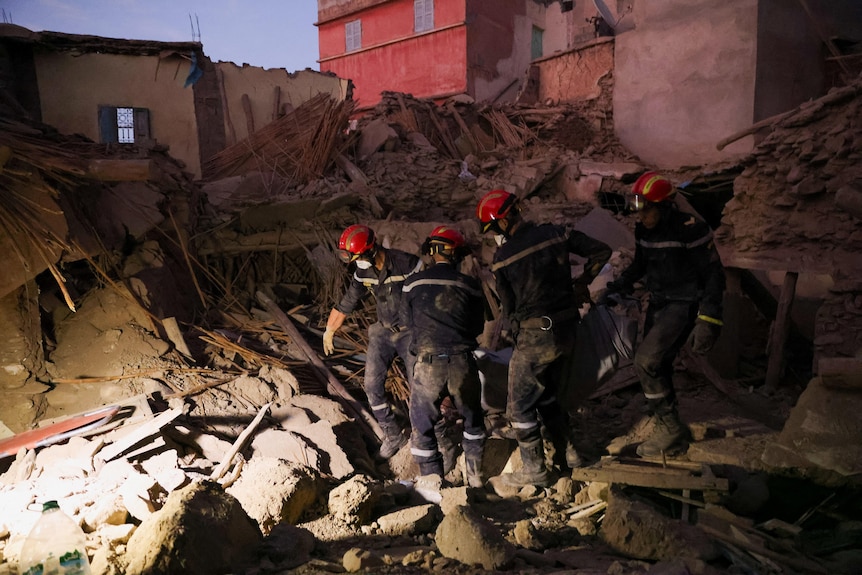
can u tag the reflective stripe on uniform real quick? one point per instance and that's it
(474, 436)
(525, 424)
(441, 282)
(379, 407)
(664, 245)
(423, 452)
(529, 251)
(656, 395)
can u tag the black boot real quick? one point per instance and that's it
(534, 471)
(448, 449)
(560, 430)
(670, 436)
(473, 452)
(393, 440)
(432, 467)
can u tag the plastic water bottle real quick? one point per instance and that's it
(55, 546)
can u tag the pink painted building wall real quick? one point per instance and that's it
(475, 47)
(392, 56)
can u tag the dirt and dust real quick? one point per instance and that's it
(304, 494)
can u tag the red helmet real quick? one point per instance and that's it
(651, 187)
(494, 206)
(356, 241)
(445, 239)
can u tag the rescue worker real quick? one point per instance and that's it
(445, 313)
(676, 259)
(381, 272)
(534, 282)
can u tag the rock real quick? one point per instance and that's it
(201, 530)
(637, 530)
(358, 559)
(354, 500)
(411, 521)
(468, 537)
(375, 136)
(273, 491)
(288, 546)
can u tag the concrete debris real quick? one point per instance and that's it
(188, 261)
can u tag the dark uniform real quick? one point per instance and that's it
(680, 267)
(387, 337)
(445, 313)
(534, 281)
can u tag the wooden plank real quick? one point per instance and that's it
(780, 330)
(120, 170)
(172, 330)
(802, 563)
(138, 434)
(335, 388)
(753, 128)
(349, 168)
(662, 479)
(222, 467)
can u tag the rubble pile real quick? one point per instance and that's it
(237, 449)
(798, 205)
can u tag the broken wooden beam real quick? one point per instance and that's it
(349, 168)
(222, 467)
(780, 330)
(335, 388)
(139, 433)
(649, 476)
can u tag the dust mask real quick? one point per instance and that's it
(363, 264)
(499, 239)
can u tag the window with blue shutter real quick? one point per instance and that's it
(123, 125)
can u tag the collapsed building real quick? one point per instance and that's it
(194, 307)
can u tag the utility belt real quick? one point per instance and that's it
(547, 322)
(440, 357)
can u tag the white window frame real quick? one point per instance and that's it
(423, 15)
(126, 125)
(353, 35)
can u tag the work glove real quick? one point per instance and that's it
(328, 345)
(705, 334)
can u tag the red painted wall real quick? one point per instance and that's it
(393, 57)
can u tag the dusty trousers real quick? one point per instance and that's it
(666, 328)
(534, 376)
(383, 346)
(434, 378)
